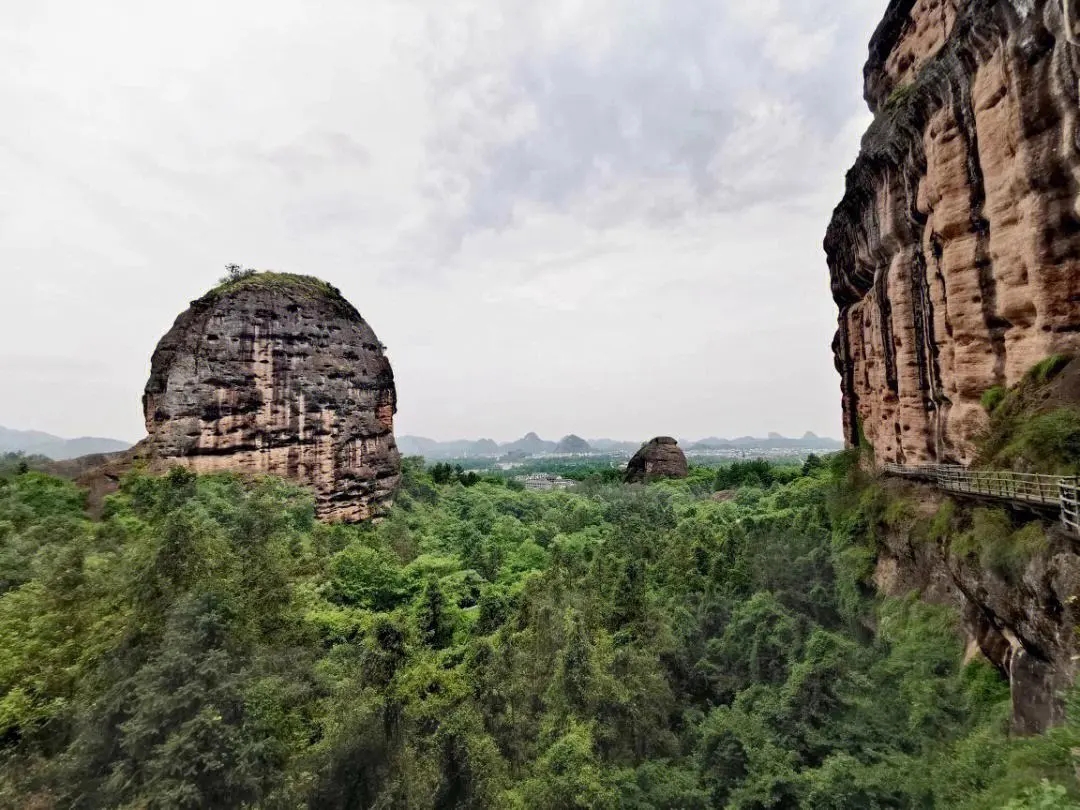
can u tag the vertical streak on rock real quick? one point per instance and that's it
(888, 346)
(964, 112)
(926, 349)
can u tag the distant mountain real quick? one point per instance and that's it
(459, 448)
(530, 444)
(774, 441)
(572, 445)
(614, 446)
(34, 442)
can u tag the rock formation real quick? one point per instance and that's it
(1024, 623)
(660, 458)
(278, 374)
(955, 253)
(955, 263)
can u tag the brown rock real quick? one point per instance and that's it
(660, 458)
(955, 264)
(277, 374)
(955, 253)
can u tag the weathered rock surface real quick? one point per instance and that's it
(955, 253)
(659, 458)
(1025, 624)
(278, 374)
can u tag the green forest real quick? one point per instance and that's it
(206, 642)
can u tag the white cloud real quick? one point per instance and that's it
(593, 216)
(796, 49)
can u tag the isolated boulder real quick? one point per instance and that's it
(660, 458)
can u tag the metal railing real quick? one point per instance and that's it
(1005, 485)
(1070, 503)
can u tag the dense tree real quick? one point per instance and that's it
(207, 644)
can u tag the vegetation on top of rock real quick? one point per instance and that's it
(237, 279)
(1035, 425)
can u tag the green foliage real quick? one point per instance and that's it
(1044, 797)
(12, 464)
(943, 524)
(1047, 438)
(207, 644)
(899, 97)
(760, 473)
(1045, 370)
(1031, 428)
(235, 273)
(997, 544)
(993, 397)
(238, 278)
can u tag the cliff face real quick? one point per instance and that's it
(955, 253)
(1022, 620)
(278, 374)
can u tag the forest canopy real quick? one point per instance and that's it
(207, 643)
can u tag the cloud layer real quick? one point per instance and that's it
(601, 217)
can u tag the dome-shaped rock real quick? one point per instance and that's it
(277, 373)
(660, 458)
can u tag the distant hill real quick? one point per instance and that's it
(459, 448)
(34, 442)
(774, 441)
(572, 445)
(532, 445)
(614, 446)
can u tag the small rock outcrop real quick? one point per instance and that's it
(278, 374)
(955, 253)
(660, 458)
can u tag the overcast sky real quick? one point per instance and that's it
(602, 216)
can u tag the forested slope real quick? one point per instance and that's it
(207, 643)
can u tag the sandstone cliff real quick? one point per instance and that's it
(277, 374)
(659, 458)
(955, 253)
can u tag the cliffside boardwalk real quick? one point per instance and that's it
(1028, 489)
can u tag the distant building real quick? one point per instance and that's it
(546, 482)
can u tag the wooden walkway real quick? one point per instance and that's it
(1024, 489)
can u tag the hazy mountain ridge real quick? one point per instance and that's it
(532, 444)
(36, 442)
(809, 441)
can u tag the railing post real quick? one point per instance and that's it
(1070, 503)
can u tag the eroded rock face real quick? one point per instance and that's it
(660, 458)
(955, 253)
(1024, 623)
(278, 374)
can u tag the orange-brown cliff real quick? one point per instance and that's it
(955, 253)
(277, 374)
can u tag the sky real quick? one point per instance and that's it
(600, 217)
